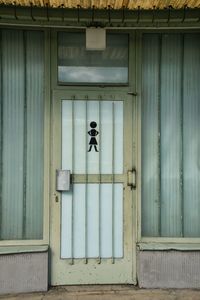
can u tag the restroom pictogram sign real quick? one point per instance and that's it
(93, 133)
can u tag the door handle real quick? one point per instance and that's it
(131, 179)
(63, 180)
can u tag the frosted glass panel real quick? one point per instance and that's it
(106, 155)
(170, 135)
(76, 64)
(191, 137)
(35, 136)
(107, 218)
(13, 134)
(171, 144)
(21, 150)
(93, 219)
(90, 223)
(150, 137)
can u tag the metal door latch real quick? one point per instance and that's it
(62, 180)
(131, 178)
(132, 93)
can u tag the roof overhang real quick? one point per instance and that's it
(107, 4)
(126, 14)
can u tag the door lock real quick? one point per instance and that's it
(131, 178)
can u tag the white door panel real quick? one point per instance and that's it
(91, 225)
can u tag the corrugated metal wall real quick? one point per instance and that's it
(170, 138)
(22, 75)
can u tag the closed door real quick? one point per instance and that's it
(92, 218)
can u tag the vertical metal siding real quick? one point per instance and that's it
(13, 108)
(35, 113)
(191, 135)
(150, 136)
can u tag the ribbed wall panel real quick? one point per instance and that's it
(13, 134)
(191, 136)
(171, 147)
(150, 136)
(35, 113)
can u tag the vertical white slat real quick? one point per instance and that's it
(66, 206)
(67, 134)
(79, 137)
(73, 172)
(191, 138)
(79, 220)
(118, 220)
(150, 135)
(93, 221)
(118, 137)
(86, 184)
(171, 144)
(106, 137)
(99, 196)
(35, 136)
(113, 177)
(93, 156)
(80, 149)
(108, 249)
(13, 111)
(106, 220)
(66, 223)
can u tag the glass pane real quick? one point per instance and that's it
(150, 136)
(170, 135)
(92, 222)
(77, 65)
(191, 137)
(21, 152)
(35, 136)
(13, 134)
(106, 155)
(171, 144)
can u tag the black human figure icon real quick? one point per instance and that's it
(93, 132)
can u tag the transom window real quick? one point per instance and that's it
(78, 65)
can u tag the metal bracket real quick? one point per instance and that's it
(62, 180)
(131, 179)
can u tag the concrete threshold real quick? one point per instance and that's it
(107, 292)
